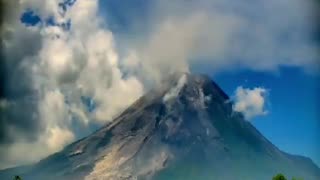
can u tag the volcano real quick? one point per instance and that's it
(184, 130)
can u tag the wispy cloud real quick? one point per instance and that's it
(225, 35)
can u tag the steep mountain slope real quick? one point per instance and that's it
(184, 130)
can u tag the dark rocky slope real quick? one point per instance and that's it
(185, 130)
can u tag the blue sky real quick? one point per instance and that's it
(293, 119)
(238, 43)
(292, 123)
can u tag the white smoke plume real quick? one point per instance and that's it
(224, 35)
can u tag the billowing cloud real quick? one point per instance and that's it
(250, 102)
(50, 69)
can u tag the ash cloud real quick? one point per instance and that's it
(227, 35)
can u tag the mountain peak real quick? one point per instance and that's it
(184, 130)
(194, 85)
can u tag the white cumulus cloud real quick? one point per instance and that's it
(250, 102)
(50, 69)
